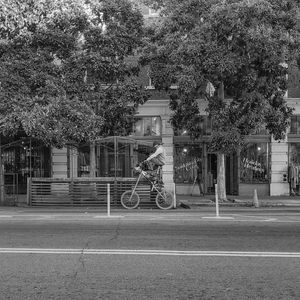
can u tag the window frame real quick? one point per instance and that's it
(295, 125)
(255, 164)
(143, 135)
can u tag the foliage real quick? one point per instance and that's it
(243, 46)
(55, 121)
(66, 68)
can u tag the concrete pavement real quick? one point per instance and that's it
(196, 201)
(263, 201)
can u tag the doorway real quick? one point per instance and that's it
(231, 173)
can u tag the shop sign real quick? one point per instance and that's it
(188, 165)
(252, 165)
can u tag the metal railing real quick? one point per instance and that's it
(84, 191)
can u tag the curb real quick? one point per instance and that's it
(238, 203)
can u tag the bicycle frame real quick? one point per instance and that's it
(143, 174)
(130, 199)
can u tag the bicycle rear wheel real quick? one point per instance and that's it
(130, 200)
(164, 199)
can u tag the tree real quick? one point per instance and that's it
(34, 100)
(65, 69)
(237, 47)
(103, 72)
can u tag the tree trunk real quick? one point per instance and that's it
(221, 177)
(92, 160)
(221, 160)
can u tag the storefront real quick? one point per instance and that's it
(117, 156)
(293, 174)
(189, 164)
(24, 158)
(195, 168)
(255, 168)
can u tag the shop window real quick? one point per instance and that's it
(295, 125)
(294, 154)
(187, 160)
(25, 158)
(255, 163)
(114, 158)
(148, 126)
(84, 161)
(294, 168)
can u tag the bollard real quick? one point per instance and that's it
(108, 200)
(255, 199)
(217, 201)
(175, 200)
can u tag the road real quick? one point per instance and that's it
(180, 254)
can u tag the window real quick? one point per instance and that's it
(148, 126)
(150, 86)
(153, 12)
(187, 159)
(114, 157)
(23, 159)
(261, 131)
(295, 125)
(294, 154)
(206, 126)
(255, 163)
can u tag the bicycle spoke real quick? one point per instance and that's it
(164, 200)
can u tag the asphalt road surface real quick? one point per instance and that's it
(181, 254)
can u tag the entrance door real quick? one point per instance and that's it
(211, 173)
(231, 174)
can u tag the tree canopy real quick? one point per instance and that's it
(66, 69)
(241, 47)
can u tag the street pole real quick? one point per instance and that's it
(217, 201)
(1, 177)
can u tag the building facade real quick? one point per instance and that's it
(271, 167)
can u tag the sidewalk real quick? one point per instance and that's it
(264, 201)
(209, 200)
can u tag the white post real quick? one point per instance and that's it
(174, 189)
(108, 199)
(217, 201)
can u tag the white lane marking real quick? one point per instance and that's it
(100, 217)
(271, 220)
(6, 216)
(149, 252)
(218, 217)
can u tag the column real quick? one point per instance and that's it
(279, 167)
(167, 139)
(59, 163)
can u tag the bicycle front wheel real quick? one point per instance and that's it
(130, 200)
(164, 200)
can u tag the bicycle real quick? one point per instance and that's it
(164, 200)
